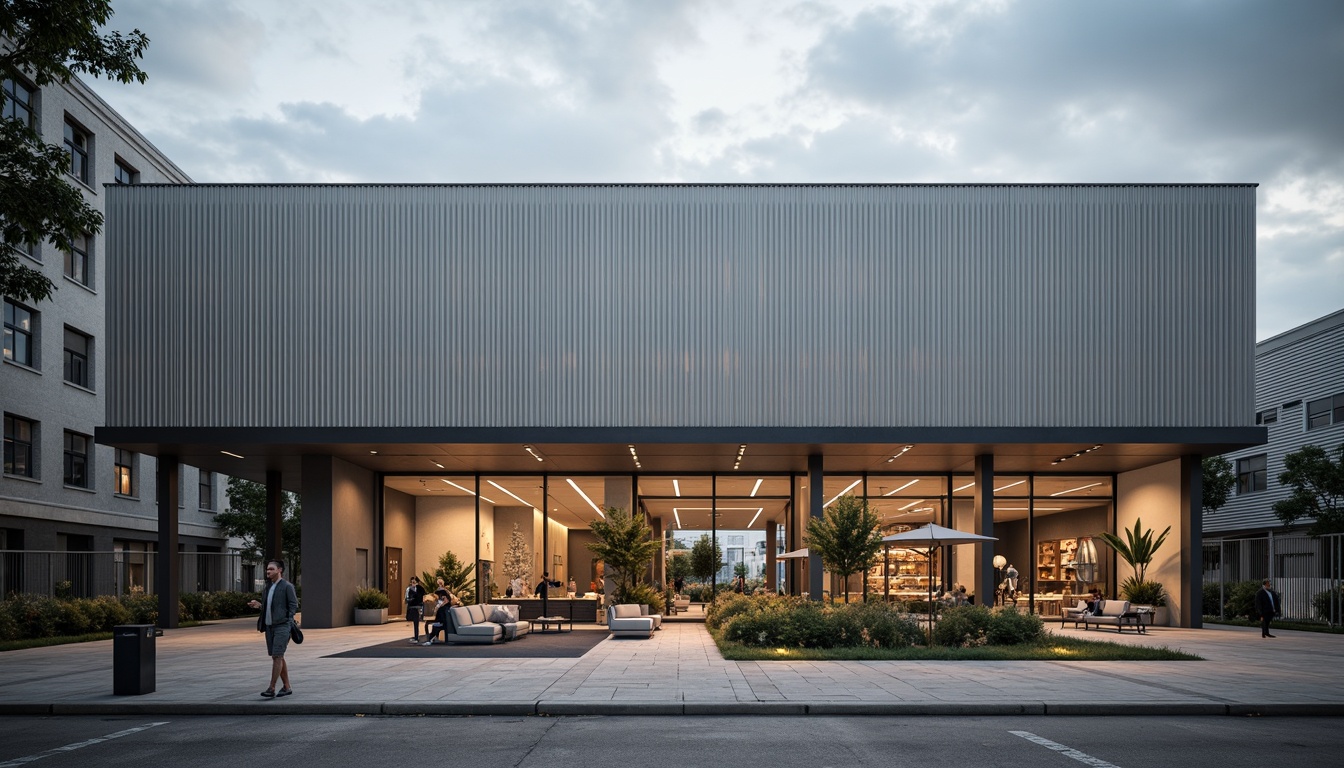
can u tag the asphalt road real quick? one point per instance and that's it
(671, 742)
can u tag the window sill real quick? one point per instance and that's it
(126, 496)
(80, 182)
(24, 478)
(80, 387)
(69, 487)
(75, 282)
(25, 367)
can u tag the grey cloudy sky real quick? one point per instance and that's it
(771, 91)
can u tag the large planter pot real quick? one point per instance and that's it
(370, 615)
(1159, 616)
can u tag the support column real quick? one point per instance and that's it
(984, 525)
(816, 498)
(168, 576)
(1191, 592)
(317, 537)
(660, 560)
(771, 577)
(275, 518)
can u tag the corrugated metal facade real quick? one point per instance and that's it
(681, 306)
(1291, 369)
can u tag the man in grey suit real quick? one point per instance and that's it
(278, 605)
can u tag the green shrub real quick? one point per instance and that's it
(231, 605)
(963, 626)
(1008, 627)
(109, 613)
(9, 629)
(880, 625)
(1323, 603)
(144, 609)
(779, 622)
(370, 598)
(74, 617)
(642, 594)
(719, 612)
(1211, 598)
(64, 590)
(1143, 592)
(1241, 599)
(35, 615)
(195, 606)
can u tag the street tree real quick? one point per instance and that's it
(44, 42)
(1217, 483)
(706, 558)
(1317, 481)
(846, 537)
(245, 520)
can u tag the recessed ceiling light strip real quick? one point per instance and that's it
(899, 453)
(1079, 488)
(1010, 485)
(902, 488)
(579, 491)
(511, 493)
(1076, 454)
(842, 493)
(757, 487)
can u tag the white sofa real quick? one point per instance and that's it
(1111, 611)
(486, 624)
(681, 604)
(628, 620)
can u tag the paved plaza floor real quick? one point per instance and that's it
(222, 667)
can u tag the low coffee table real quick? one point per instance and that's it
(1133, 619)
(545, 622)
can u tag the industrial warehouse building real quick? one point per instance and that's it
(435, 367)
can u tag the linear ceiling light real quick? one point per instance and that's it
(1076, 454)
(511, 493)
(635, 456)
(234, 455)
(1026, 509)
(842, 493)
(899, 453)
(741, 449)
(1010, 485)
(753, 519)
(579, 491)
(757, 486)
(964, 487)
(435, 463)
(902, 488)
(677, 515)
(535, 454)
(468, 490)
(1079, 488)
(913, 503)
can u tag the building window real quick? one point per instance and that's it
(77, 459)
(77, 259)
(206, 494)
(18, 102)
(20, 326)
(19, 446)
(1269, 416)
(1326, 411)
(125, 174)
(124, 472)
(1251, 474)
(78, 350)
(77, 144)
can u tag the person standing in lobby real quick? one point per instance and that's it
(1267, 604)
(278, 607)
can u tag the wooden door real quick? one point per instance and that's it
(396, 596)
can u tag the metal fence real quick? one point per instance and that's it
(92, 574)
(1307, 572)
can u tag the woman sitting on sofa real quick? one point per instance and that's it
(441, 618)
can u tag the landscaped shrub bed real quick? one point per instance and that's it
(768, 621)
(24, 617)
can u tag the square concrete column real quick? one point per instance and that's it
(1192, 543)
(984, 525)
(816, 498)
(168, 575)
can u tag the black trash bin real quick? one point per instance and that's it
(132, 659)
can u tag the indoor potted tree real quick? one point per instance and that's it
(1138, 550)
(370, 606)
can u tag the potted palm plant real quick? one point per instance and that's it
(1138, 550)
(370, 606)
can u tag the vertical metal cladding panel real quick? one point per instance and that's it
(681, 305)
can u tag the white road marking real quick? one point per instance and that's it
(78, 745)
(1060, 748)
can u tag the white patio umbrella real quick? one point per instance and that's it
(797, 554)
(930, 537)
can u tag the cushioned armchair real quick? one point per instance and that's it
(1074, 614)
(626, 620)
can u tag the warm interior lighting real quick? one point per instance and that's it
(1010, 485)
(964, 487)
(533, 451)
(373, 453)
(899, 453)
(677, 515)
(1027, 509)
(842, 493)
(741, 449)
(902, 488)
(757, 486)
(579, 491)
(753, 519)
(471, 492)
(1079, 488)
(437, 464)
(635, 456)
(234, 455)
(1076, 454)
(676, 487)
(913, 503)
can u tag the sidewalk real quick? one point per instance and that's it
(221, 668)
